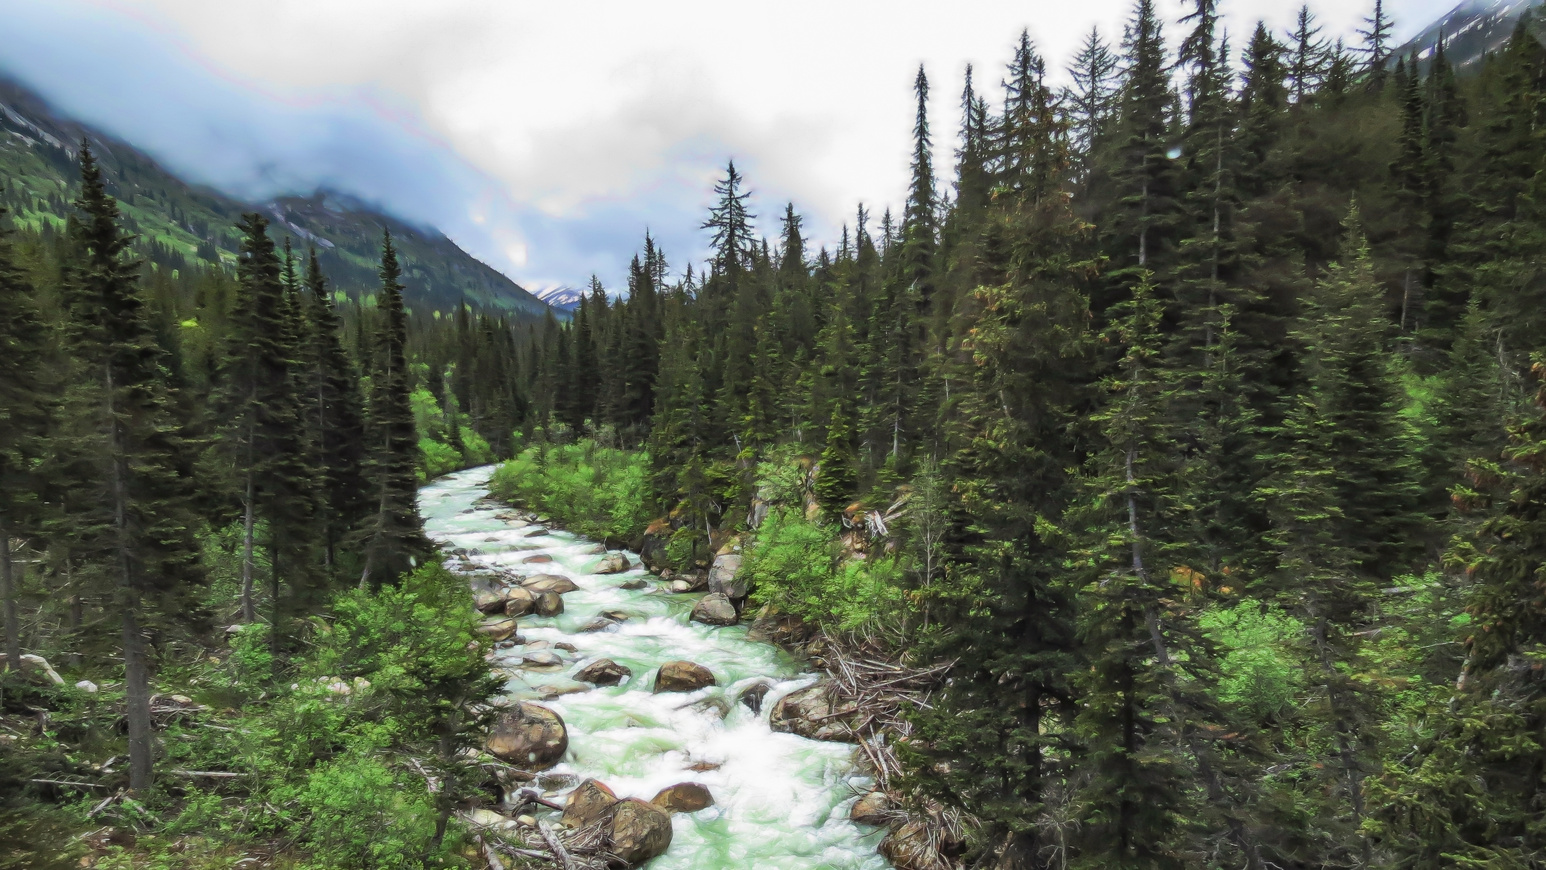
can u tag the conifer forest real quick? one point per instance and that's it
(1163, 487)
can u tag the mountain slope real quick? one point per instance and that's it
(562, 299)
(1470, 31)
(180, 223)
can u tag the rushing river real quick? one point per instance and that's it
(781, 801)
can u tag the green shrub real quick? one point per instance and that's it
(798, 566)
(1258, 670)
(601, 492)
(360, 813)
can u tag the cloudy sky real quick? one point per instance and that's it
(545, 137)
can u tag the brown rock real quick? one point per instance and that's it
(809, 713)
(680, 676)
(603, 672)
(753, 696)
(519, 602)
(600, 623)
(538, 583)
(684, 797)
(549, 604)
(497, 629)
(640, 831)
(617, 615)
(724, 576)
(634, 584)
(910, 848)
(530, 736)
(612, 563)
(486, 597)
(872, 809)
(715, 609)
(539, 559)
(589, 803)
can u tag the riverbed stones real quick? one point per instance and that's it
(633, 585)
(715, 609)
(810, 712)
(497, 629)
(539, 559)
(549, 604)
(684, 797)
(538, 583)
(617, 615)
(640, 831)
(911, 848)
(612, 563)
(519, 601)
(873, 808)
(682, 676)
(600, 623)
(603, 672)
(590, 802)
(725, 576)
(529, 736)
(542, 660)
(753, 696)
(679, 586)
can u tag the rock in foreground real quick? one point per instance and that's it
(680, 676)
(590, 802)
(684, 797)
(810, 713)
(529, 736)
(640, 831)
(715, 609)
(603, 672)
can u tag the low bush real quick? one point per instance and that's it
(600, 492)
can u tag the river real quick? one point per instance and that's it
(781, 801)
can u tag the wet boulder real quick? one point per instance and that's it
(873, 808)
(681, 676)
(549, 604)
(603, 672)
(715, 609)
(634, 584)
(487, 597)
(519, 601)
(811, 712)
(725, 577)
(612, 563)
(542, 660)
(589, 803)
(497, 629)
(679, 586)
(684, 797)
(753, 696)
(600, 623)
(911, 848)
(640, 831)
(539, 583)
(530, 736)
(539, 559)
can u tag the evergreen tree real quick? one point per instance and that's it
(392, 536)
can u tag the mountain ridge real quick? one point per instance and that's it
(181, 222)
(1470, 31)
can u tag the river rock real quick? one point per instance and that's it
(771, 626)
(497, 629)
(481, 818)
(634, 584)
(808, 713)
(640, 831)
(539, 644)
(589, 803)
(612, 563)
(538, 583)
(680, 676)
(725, 576)
(754, 695)
(715, 609)
(871, 809)
(33, 667)
(487, 597)
(542, 660)
(592, 550)
(549, 604)
(535, 533)
(684, 797)
(539, 559)
(617, 615)
(603, 672)
(519, 601)
(600, 623)
(679, 586)
(911, 848)
(529, 736)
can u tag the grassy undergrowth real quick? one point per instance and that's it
(600, 492)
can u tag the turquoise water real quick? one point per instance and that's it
(781, 801)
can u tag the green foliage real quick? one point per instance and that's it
(597, 491)
(356, 811)
(798, 566)
(1258, 671)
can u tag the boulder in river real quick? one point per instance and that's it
(542, 660)
(809, 712)
(725, 576)
(617, 615)
(537, 583)
(680, 586)
(715, 609)
(519, 601)
(487, 597)
(612, 563)
(497, 629)
(603, 672)
(589, 803)
(640, 831)
(873, 808)
(753, 695)
(634, 584)
(549, 604)
(684, 797)
(680, 676)
(911, 848)
(529, 736)
(600, 623)
(539, 559)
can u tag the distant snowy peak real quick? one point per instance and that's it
(1470, 31)
(561, 298)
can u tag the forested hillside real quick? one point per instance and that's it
(1196, 423)
(181, 225)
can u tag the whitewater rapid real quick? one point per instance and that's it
(781, 801)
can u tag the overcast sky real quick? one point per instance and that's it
(545, 137)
